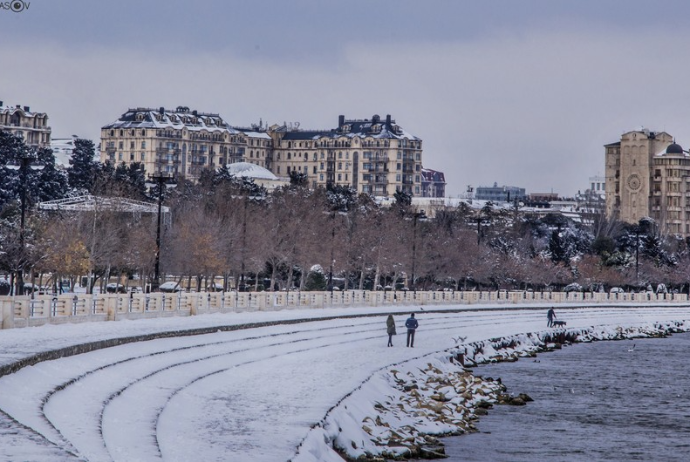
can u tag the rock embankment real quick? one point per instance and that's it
(401, 412)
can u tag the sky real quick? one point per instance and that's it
(517, 93)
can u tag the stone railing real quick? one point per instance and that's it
(24, 311)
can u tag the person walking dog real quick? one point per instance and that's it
(390, 328)
(550, 316)
(411, 325)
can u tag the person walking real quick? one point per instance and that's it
(550, 316)
(390, 328)
(411, 325)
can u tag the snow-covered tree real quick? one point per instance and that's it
(83, 166)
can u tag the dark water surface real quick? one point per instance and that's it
(595, 401)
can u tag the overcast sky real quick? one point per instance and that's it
(521, 93)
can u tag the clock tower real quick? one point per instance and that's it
(629, 170)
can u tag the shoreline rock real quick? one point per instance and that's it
(402, 411)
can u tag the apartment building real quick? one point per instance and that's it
(21, 121)
(433, 183)
(179, 141)
(648, 175)
(374, 156)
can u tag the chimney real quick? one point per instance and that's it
(27, 109)
(161, 110)
(388, 120)
(194, 112)
(341, 120)
(1, 103)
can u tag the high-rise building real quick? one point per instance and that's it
(31, 126)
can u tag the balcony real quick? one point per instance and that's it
(169, 135)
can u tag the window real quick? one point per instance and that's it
(314, 169)
(143, 145)
(131, 145)
(321, 176)
(131, 156)
(340, 155)
(397, 177)
(398, 166)
(119, 156)
(321, 165)
(278, 170)
(143, 133)
(340, 165)
(143, 157)
(340, 176)
(121, 145)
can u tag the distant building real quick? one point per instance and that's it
(31, 126)
(179, 141)
(647, 175)
(374, 156)
(497, 193)
(261, 175)
(597, 185)
(63, 149)
(433, 183)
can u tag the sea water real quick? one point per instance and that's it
(615, 400)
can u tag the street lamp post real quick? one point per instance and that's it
(416, 216)
(330, 271)
(162, 181)
(25, 163)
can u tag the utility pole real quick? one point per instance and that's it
(25, 163)
(162, 181)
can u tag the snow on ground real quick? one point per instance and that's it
(253, 393)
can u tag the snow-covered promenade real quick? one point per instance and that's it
(252, 392)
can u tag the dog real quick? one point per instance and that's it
(559, 324)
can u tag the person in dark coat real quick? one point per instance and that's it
(550, 316)
(411, 325)
(390, 328)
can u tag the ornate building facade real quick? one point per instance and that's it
(179, 141)
(32, 126)
(374, 156)
(648, 175)
(433, 183)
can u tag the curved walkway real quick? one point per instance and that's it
(252, 392)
